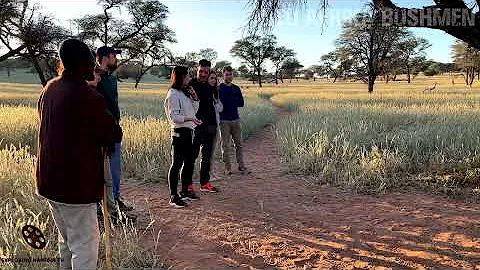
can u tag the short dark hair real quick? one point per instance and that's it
(75, 53)
(204, 63)
(227, 68)
(176, 78)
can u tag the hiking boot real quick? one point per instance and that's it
(208, 187)
(123, 206)
(176, 202)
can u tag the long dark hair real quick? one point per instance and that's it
(216, 86)
(177, 76)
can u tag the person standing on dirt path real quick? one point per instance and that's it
(181, 105)
(107, 61)
(205, 133)
(74, 126)
(230, 127)
(213, 81)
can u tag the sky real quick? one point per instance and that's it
(218, 23)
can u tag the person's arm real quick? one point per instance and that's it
(173, 109)
(218, 105)
(196, 105)
(239, 97)
(105, 129)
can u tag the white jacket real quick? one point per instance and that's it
(178, 107)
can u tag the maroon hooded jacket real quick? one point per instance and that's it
(74, 126)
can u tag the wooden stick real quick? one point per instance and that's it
(106, 219)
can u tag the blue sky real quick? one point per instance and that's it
(217, 24)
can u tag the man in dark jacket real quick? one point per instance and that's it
(74, 126)
(107, 86)
(206, 132)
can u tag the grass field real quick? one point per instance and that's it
(396, 138)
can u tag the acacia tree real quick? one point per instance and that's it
(278, 58)
(142, 16)
(209, 54)
(411, 49)
(254, 50)
(291, 67)
(336, 64)
(35, 36)
(369, 44)
(467, 59)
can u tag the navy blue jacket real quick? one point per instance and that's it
(231, 98)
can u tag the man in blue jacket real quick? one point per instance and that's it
(230, 127)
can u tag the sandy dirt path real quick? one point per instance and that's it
(272, 220)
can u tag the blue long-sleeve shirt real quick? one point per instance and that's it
(231, 98)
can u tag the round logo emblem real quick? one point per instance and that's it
(34, 237)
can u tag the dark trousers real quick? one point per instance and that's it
(182, 156)
(204, 139)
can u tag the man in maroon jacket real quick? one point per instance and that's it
(74, 126)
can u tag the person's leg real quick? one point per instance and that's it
(65, 253)
(212, 157)
(206, 158)
(116, 170)
(82, 233)
(226, 144)
(177, 162)
(198, 137)
(188, 163)
(237, 140)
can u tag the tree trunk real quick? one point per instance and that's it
(276, 76)
(137, 81)
(394, 77)
(371, 82)
(259, 71)
(387, 78)
(408, 73)
(335, 79)
(281, 77)
(8, 71)
(38, 68)
(313, 77)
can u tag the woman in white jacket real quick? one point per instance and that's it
(181, 105)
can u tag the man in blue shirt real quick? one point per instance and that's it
(230, 128)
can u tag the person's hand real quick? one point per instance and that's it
(193, 94)
(197, 122)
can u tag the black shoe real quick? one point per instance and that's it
(244, 170)
(122, 206)
(176, 202)
(190, 196)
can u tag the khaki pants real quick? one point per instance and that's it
(231, 131)
(78, 234)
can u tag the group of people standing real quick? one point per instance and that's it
(196, 109)
(79, 142)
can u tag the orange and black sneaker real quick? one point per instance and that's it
(208, 187)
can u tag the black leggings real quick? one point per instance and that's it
(182, 156)
(204, 140)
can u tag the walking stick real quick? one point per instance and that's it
(106, 219)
